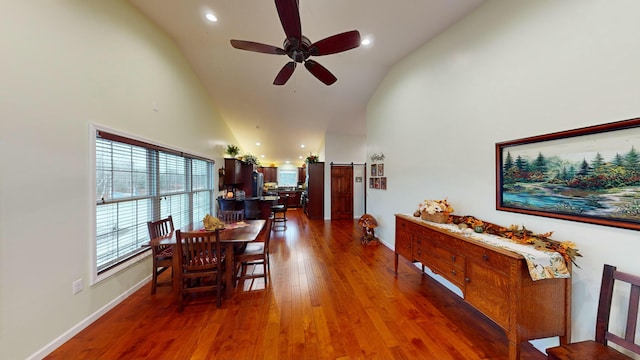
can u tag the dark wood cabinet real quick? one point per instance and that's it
(233, 171)
(238, 175)
(291, 197)
(314, 207)
(302, 175)
(270, 173)
(495, 281)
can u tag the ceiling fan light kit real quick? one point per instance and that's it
(299, 48)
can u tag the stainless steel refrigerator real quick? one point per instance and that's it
(257, 184)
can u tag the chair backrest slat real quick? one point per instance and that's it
(230, 216)
(160, 227)
(197, 245)
(611, 276)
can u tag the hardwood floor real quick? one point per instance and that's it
(329, 297)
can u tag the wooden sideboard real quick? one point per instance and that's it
(494, 281)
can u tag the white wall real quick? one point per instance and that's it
(511, 69)
(345, 149)
(66, 64)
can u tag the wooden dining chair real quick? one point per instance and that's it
(255, 253)
(599, 348)
(201, 264)
(162, 255)
(230, 216)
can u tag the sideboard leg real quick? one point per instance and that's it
(514, 351)
(395, 264)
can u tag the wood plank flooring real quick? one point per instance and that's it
(329, 297)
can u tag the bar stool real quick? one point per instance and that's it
(279, 212)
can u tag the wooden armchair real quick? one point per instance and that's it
(201, 264)
(599, 348)
(162, 255)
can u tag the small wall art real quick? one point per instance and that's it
(378, 179)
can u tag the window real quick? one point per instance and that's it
(137, 182)
(288, 178)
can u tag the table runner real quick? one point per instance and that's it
(542, 264)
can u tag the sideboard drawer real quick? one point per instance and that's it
(494, 260)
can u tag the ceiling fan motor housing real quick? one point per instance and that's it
(298, 53)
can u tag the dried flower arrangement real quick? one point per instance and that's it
(434, 206)
(521, 235)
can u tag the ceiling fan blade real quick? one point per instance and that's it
(285, 73)
(320, 72)
(290, 19)
(257, 47)
(336, 43)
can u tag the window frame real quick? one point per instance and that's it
(192, 196)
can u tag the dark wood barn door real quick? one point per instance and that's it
(341, 192)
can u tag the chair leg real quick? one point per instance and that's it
(154, 279)
(180, 295)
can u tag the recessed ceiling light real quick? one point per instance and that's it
(300, 157)
(302, 146)
(258, 143)
(288, 161)
(211, 17)
(366, 41)
(262, 156)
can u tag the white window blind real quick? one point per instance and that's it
(288, 178)
(137, 182)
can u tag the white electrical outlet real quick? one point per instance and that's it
(77, 286)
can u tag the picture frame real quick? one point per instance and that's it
(374, 170)
(383, 183)
(589, 174)
(380, 169)
(371, 183)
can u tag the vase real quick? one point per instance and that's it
(440, 218)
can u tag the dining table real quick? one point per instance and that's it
(232, 237)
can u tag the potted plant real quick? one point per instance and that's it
(312, 158)
(233, 150)
(250, 159)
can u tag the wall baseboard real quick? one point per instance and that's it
(57, 342)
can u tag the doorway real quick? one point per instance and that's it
(341, 192)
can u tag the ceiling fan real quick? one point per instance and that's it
(299, 48)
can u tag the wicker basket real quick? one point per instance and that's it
(440, 218)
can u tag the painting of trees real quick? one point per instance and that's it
(589, 174)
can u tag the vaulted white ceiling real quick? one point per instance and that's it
(282, 118)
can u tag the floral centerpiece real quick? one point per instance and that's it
(434, 210)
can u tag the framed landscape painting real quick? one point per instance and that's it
(589, 174)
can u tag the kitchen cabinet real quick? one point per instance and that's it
(270, 173)
(302, 175)
(291, 197)
(494, 281)
(233, 171)
(314, 207)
